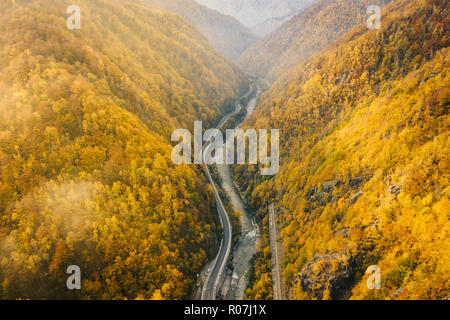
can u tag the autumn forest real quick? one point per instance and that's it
(87, 176)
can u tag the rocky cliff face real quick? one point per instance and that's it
(327, 276)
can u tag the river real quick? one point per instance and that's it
(233, 284)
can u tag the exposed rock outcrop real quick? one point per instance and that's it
(328, 186)
(331, 272)
(393, 189)
(397, 293)
(355, 197)
(323, 192)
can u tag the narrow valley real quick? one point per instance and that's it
(234, 282)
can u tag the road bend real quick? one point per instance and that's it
(209, 290)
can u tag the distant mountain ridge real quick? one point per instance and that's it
(270, 25)
(262, 16)
(305, 34)
(224, 32)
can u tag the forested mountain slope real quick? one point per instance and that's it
(304, 35)
(365, 162)
(85, 152)
(224, 32)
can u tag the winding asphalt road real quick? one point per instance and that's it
(209, 290)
